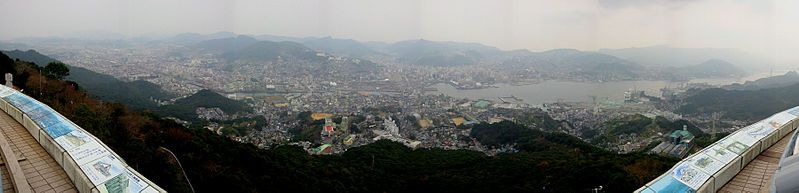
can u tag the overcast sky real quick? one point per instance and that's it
(766, 27)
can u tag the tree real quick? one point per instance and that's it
(56, 70)
(6, 66)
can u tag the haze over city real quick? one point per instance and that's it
(763, 27)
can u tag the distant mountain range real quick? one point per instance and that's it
(430, 53)
(427, 53)
(30, 56)
(667, 56)
(193, 38)
(344, 47)
(245, 48)
(416, 52)
(787, 79)
(713, 68)
(575, 62)
(13, 46)
(227, 44)
(661, 55)
(571, 58)
(250, 51)
(666, 62)
(267, 51)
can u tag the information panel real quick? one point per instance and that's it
(51, 122)
(737, 143)
(81, 147)
(124, 182)
(669, 184)
(780, 119)
(22, 102)
(706, 163)
(721, 153)
(757, 131)
(103, 169)
(689, 175)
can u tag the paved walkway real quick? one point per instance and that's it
(41, 171)
(756, 176)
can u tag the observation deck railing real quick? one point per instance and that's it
(88, 162)
(711, 168)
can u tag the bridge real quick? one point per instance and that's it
(42, 151)
(744, 161)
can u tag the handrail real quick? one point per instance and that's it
(89, 163)
(715, 165)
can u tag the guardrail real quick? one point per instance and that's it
(710, 169)
(88, 162)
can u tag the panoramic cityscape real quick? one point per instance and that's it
(399, 96)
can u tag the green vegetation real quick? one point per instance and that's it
(548, 162)
(786, 79)
(138, 94)
(307, 129)
(232, 127)
(56, 70)
(628, 125)
(6, 65)
(747, 105)
(643, 126)
(565, 162)
(706, 140)
(207, 98)
(504, 132)
(537, 120)
(185, 108)
(242, 126)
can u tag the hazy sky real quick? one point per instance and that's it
(766, 27)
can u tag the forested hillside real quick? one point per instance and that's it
(742, 104)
